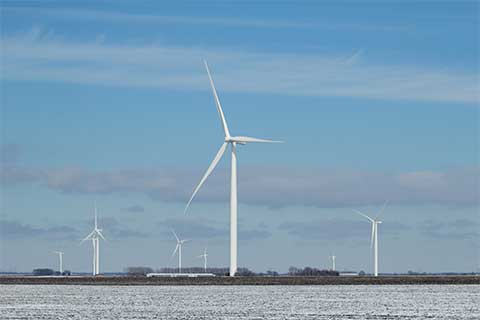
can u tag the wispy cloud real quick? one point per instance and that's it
(16, 230)
(355, 57)
(12, 229)
(44, 57)
(9, 153)
(461, 229)
(272, 186)
(186, 228)
(135, 209)
(113, 228)
(215, 21)
(338, 229)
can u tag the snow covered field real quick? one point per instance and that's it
(240, 302)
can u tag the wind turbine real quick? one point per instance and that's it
(374, 237)
(232, 141)
(204, 256)
(95, 236)
(179, 248)
(60, 258)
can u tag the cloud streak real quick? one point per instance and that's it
(339, 229)
(274, 187)
(113, 228)
(226, 21)
(459, 229)
(16, 230)
(186, 228)
(134, 209)
(11, 229)
(45, 57)
(9, 153)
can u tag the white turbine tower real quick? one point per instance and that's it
(333, 262)
(60, 260)
(95, 236)
(232, 141)
(204, 256)
(179, 248)
(374, 237)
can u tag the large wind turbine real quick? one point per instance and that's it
(179, 248)
(374, 237)
(95, 236)
(60, 260)
(232, 141)
(204, 256)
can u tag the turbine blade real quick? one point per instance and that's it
(363, 215)
(95, 206)
(89, 236)
(242, 139)
(373, 233)
(383, 209)
(101, 235)
(208, 172)
(174, 251)
(176, 237)
(217, 102)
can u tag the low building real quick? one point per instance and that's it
(348, 274)
(180, 275)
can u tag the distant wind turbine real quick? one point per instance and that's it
(95, 236)
(374, 237)
(60, 260)
(232, 141)
(204, 256)
(179, 249)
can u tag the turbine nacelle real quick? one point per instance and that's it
(244, 140)
(234, 140)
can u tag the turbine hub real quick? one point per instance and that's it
(236, 140)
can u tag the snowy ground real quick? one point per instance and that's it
(240, 302)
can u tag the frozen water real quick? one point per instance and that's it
(240, 302)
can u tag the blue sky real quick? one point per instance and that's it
(109, 102)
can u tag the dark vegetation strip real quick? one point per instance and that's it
(280, 280)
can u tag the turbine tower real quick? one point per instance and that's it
(333, 262)
(60, 260)
(204, 256)
(374, 237)
(179, 249)
(233, 142)
(95, 236)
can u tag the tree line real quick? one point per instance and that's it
(49, 272)
(309, 272)
(245, 272)
(216, 271)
